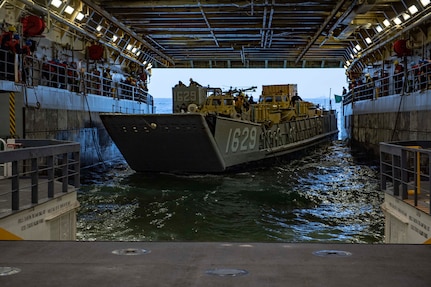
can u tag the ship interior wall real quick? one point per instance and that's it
(388, 119)
(371, 129)
(72, 125)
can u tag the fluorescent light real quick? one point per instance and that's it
(379, 29)
(56, 3)
(358, 47)
(79, 16)
(351, 56)
(413, 9)
(425, 2)
(144, 63)
(114, 38)
(405, 16)
(386, 23)
(129, 47)
(69, 9)
(355, 51)
(397, 21)
(348, 63)
(99, 28)
(368, 40)
(134, 50)
(137, 54)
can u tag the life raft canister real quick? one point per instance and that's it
(32, 26)
(95, 52)
(401, 48)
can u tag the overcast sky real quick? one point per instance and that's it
(312, 83)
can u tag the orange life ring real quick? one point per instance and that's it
(95, 52)
(400, 47)
(32, 26)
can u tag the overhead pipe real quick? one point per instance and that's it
(322, 27)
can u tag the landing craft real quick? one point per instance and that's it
(220, 131)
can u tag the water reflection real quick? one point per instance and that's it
(330, 195)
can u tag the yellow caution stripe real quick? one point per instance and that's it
(6, 235)
(12, 118)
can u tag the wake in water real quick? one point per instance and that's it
(331, 195)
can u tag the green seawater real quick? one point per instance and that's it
(331, 194)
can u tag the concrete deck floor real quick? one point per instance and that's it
(189, 264)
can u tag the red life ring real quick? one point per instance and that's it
(32, 26)
(400, 47)
(95, 52)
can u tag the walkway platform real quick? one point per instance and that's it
(47, 263)
(38, 183)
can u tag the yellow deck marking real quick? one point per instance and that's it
(6, 235)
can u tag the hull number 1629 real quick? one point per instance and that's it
(241, 139)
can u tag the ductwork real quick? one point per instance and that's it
(348, 26)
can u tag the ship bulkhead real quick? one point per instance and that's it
(54, 84)
(389, 96)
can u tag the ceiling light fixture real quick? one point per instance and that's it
(425, 2)
(405, 16)
(368, 40)
(56, 3)
(79, 16)
(413, 9)
(69, 9)
(387, 23)
(379, 29)
(397, 21)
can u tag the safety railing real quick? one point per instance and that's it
(34, 72)
(406, 171)
(33, 171)
(418, 79)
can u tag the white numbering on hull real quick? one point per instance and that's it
(241, 139)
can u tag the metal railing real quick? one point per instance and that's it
(34, 72)
(35, 170)
(406, 172)
(417, 78)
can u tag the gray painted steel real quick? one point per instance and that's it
(194, 264)
(387, 119)
(195, 143)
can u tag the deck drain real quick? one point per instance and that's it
(332, 253)
(5, 271)
(227, 272)
(130, 251)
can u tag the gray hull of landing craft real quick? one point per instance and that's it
(193, 143)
